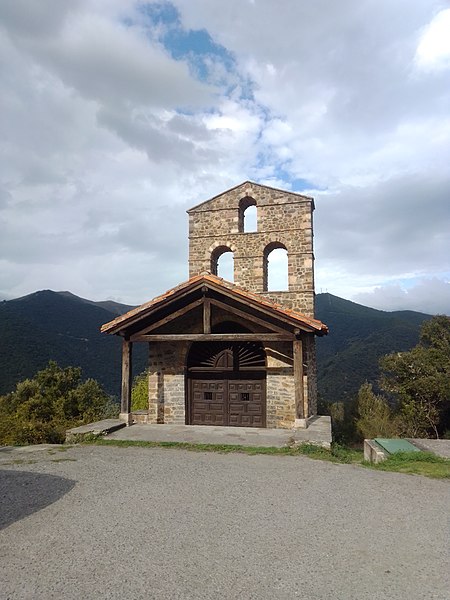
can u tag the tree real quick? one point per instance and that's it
(342, 420)
(41, 409)
(419, 380)
(139, 392)
(374, 416)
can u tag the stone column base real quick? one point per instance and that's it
(301, 423)
(127, 417)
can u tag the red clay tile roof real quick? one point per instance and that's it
(217, 283)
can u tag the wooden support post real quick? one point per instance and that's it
(125, 403)
(207, 315)
(305, 397)
(300, 418)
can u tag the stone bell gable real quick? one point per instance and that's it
(284, 220)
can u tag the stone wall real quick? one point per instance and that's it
(166, 382)
(280, 382)
(280, 385)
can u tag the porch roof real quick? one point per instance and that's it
(248, 300)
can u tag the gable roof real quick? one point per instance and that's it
(248, 299)
(246, 184)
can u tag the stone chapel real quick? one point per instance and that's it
(232, 354)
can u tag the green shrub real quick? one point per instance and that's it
(40, 410)
(374, 416)
(419, 381)
(139, 392)
(343, 422)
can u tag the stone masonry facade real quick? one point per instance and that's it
(167, 380)
(284, 219)
(166, 383)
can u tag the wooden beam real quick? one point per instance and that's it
(298, 379)
(264, 309)
(207, 315)
(214, 337)
(171, 317)
(245, 315)
(125, 402)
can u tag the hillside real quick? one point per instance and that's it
(60, 326)
(114, 307)
(63, 327)
(358, 337)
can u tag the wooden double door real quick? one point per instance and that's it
(227, 402)
(226, 384)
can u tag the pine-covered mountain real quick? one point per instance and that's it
(60, 326)
(359, 336)
(63, 327)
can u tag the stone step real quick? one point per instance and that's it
(99, 428)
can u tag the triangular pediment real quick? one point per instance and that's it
(192, 307)
(231, 198)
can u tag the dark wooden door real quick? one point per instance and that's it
(236, 403)
(208, 402)
(246, 403)
(226, 384)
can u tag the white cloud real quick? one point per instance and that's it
(427, 295)
(384, 235)
(106, 139)
(433, 51)
(104, 61)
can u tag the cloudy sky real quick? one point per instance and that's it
(116, 116)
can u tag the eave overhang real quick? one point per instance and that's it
(194, 291)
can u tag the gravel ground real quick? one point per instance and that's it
(131, 523)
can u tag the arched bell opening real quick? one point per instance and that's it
(226, 381)
(275, 268)
(248, 215)
(222, 263)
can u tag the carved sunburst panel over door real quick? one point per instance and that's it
(251, 354)
(223, 356)
(226, 384)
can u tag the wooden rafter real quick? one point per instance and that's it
(206, 315)
(171, 317)
(247, 316)
(262, 309)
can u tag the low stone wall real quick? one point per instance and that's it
(373, 452)
(166, 383)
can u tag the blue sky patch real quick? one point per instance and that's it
(194, 46)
